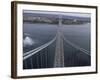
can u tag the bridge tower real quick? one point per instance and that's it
(60, 21)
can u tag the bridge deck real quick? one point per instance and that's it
(59, 52)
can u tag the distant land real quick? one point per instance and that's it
(54, 19)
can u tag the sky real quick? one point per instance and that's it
(59, 13)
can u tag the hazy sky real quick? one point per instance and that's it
(59, 13)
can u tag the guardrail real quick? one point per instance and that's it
(76, 46)
(34, 51)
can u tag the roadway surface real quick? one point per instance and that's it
(59, 52)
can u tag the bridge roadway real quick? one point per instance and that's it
(59, 51)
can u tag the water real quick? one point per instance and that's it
(40, 33)
(78, 34)
(43, 33)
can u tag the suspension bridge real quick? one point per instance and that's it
(42, 57)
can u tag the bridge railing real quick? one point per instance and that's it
(34, 51)
(76, 46)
